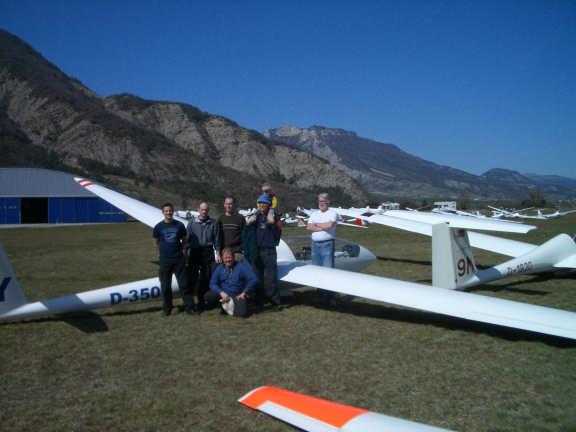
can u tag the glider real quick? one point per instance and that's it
(457, 221)
(556, 214)
(438, 300)
(320, 415)
(499, 213)
(463, 305)
(452, 261)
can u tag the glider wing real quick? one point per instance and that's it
(443, 301)
(320, 415)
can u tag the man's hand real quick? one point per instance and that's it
(241, 296)
(218, 257)
(225, 297)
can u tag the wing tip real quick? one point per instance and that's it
(83, 182)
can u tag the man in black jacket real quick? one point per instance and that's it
(203, 248)
(268, 235)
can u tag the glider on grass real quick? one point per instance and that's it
(319, 415)
(455, 220)
(295, 271)
(453, 263)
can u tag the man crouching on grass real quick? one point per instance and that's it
(231, 282)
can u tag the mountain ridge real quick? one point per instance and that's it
(385, 169)
(62, 124)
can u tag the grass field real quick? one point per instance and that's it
(129, 369)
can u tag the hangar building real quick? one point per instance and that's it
(35, 195)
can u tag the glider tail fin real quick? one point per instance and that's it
(11, 295)
(453, 263)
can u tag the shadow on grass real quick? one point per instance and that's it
(86, 321)
(510, 286)
(347, 305)
(128, 312)
(404, 260)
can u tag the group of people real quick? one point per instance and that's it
(232, 261)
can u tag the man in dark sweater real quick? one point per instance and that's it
(267, 238)
(231, 224)
(203, 245)
(169, 236)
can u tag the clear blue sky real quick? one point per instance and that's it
(475, 84)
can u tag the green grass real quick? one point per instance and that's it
(127, 368)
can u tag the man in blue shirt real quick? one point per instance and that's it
(231, 282)
(169, 236)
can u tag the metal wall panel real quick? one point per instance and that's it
(9, 210)
(65, 210)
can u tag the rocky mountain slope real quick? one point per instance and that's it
(387, 171)
(51, 120)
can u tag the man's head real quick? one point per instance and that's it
(229, 203)
(168, 212)
(264, 203)
(323, 201)
(267, 189)
(203, 210)
(227, 257)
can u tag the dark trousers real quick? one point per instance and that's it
(169, 267)
(200, 266)
(212, 300)
(267, 271)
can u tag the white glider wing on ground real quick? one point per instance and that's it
(438, 300)
(313, 414)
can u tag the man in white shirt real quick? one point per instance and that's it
(322, 224)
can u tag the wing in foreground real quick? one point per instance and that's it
(319, 415)
(464, 305)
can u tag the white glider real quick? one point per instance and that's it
(439, 300)
(456, 221)
(557, 253)
(499, 213)
(313, 414)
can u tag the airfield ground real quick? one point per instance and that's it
(127, 368)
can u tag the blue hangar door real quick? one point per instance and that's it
(33, 210)
(9, 210)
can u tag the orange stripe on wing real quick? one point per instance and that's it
(332, 413)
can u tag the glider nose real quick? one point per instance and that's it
(366, 256)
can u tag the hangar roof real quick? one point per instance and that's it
(39, 183)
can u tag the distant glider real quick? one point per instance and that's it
(453, 263)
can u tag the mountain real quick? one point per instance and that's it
(387, 171)
(552, 180)
(146, 148)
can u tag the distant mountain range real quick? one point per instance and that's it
(387, 171)
(158, 150)
(154, 150)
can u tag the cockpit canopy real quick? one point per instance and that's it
(302, 250)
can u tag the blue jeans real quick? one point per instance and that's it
(323, 253)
